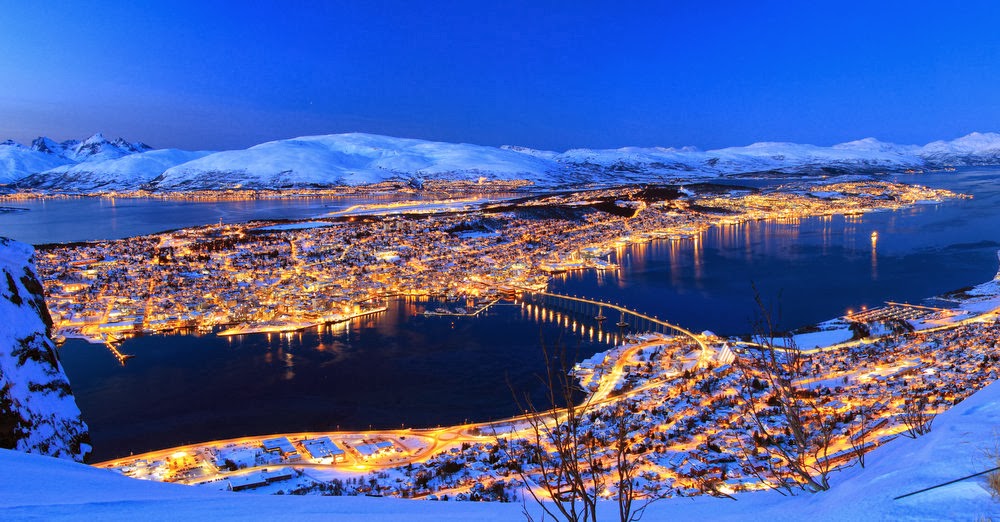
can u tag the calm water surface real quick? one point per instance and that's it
(63, 220)
(400, 368)
(815, 270)
(385, 371)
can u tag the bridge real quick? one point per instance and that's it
(629, 319)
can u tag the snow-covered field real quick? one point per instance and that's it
(41, 488)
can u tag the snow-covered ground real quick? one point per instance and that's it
(42, 488)
(808, 341)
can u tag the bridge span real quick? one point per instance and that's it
(629, 319)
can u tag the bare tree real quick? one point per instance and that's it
(632, 498)
(916, 416)
(569, 470)
(860, 440)
(574, 453)
(790, 419)
(993, 477)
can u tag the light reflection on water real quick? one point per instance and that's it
(812, 268)
(395, 368)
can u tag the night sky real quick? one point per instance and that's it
(550, 75)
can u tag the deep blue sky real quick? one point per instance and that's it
(204, 75)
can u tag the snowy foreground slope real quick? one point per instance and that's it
(33, 487)
(38, 413)
(96, 164)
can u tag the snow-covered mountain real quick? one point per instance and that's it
(17, 161)
(124, 173)
(98, 148)
(44, 154)
(638, 164)
(356, 159)
(972, 149)
(349, 159)
(38, 413)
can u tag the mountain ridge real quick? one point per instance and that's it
(97, 164)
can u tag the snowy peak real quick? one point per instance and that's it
(134, 148)
(972, 149)
(18, 162)
(98, 147)
(47, 145)
(974, 143)
(38, 413)
(874, 145)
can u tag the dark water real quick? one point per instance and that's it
(815, 270)
(385, 371)
(91, 218)
(401, 368)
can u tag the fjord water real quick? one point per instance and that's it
(65, 220)
(401, 368)
(394, 369)
(815, 269)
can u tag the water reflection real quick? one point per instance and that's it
(874, 254)
(813, 267)
(396, 367)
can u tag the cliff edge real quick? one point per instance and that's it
(38, 413)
